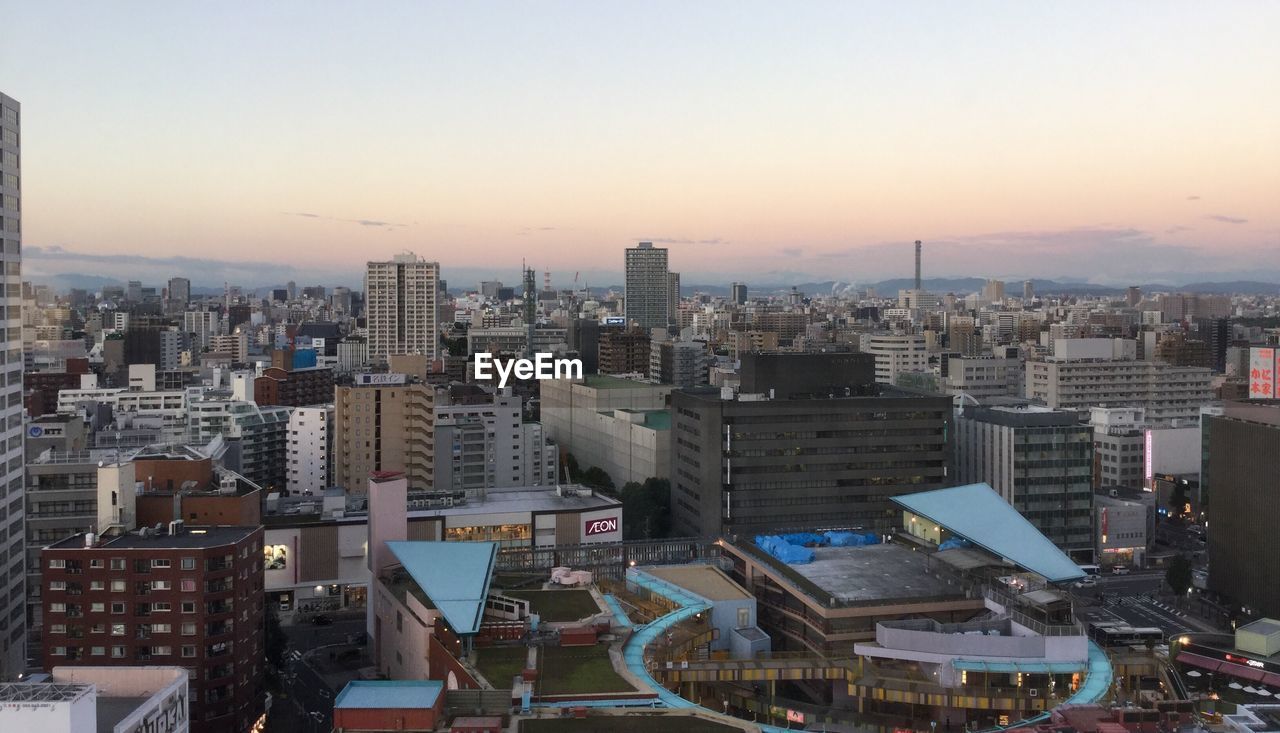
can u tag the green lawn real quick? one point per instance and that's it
(577, 669)
(624, 724)
(499, 664)
(558, 605)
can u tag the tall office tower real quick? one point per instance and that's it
(134, 292)
(1244, 548)
(673, 296)
(738, 293)
(12, 615)
(1028, 291)
(179, 290)
(402, 302)
(993, 291)
(1134, 296)
(1041, 461)
(818, 444)
(648, 283)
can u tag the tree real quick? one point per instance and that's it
(646, 509)
(1178, 575)
(275, 641)
(597, 478)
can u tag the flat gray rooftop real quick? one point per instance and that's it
(520, 500)
(873, 573)
(112, 710)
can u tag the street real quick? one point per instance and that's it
(309, 705)
(1137, 600)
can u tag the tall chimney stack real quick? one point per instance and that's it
(917, 264)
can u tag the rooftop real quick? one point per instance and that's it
(1264, 626)
(704, 580)
(872, 573)
(188, 537)
(604, 381)
(389, 694)
(977, 513)
(522, 499)
(455, 576)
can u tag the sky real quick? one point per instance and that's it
(779, 142)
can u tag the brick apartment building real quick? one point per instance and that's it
(188, 596)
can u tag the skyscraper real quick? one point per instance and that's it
(738, 293)
(648, 283)
(12, 574)
(179, 290)
(402, 301)
(673, 295)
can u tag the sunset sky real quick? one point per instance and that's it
(779, 142)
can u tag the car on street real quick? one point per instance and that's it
(321, 620)
(1087, 582)
(1120, 570)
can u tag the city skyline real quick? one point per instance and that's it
(800, 145)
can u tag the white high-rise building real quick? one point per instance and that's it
(896, 353)
(402, 302)
(13, 519)
(648, 286)
(204, 325)
(310, 449)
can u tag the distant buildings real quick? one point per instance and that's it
(648, 285)
(896, 353)
(1097, 379)
(402, 299)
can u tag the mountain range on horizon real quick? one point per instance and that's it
(960, 286)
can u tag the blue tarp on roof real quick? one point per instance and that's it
(454, 575)
(384, 694)
(978, 514)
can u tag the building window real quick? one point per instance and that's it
(117, 652)
(96, 563)
(161, 607)
(57, 628)
(188, 628)
(96, 607)
(188, 606)
(57, 608)
(161, 585)
(161, 563)
(188, 651)
(61, 651)
(117, 563)
(57, 585)
(188, 563)
(162, 651)
(188, 585)
(57, 564)
(119, 629)
(97, 651)
(117, 586)
(161, 628)
(117, 608)
(97, 585)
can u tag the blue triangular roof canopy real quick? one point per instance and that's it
(977, 513)
(454, 575)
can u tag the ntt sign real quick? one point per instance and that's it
(601, 526)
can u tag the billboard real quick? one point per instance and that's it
(600, 526)
(367, 379)
(615, 320)
(1262, 373)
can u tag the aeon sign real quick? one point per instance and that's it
(601, 526)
